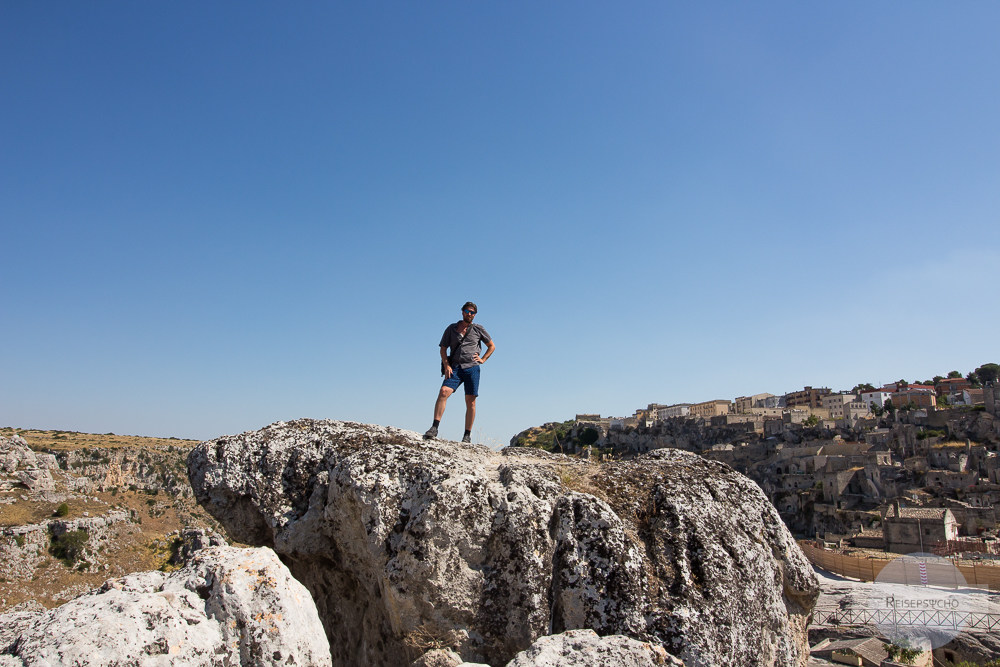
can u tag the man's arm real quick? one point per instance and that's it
(490, 346)
(444, 360)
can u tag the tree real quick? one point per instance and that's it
(937, 378)
(988, 372)
(69, 546)
(954, 375)
(905, 654)
(889, 407)
(589, 436)
(864, 386)
(973, 379)
(811, 420)
(902, 384)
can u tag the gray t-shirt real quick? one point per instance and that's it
(463, 349)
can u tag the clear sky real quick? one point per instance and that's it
(218, 215)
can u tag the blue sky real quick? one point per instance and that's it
(218, 215)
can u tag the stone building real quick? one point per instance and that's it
(946, 479)
(808, 398)
(673, 411)
(949, 457)
(709, 409)
(950, 386)
(921, 398)
(744, 404)
(917, 529)
(834, 404)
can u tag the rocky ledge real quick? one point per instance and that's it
(227, 606)
(410, 546)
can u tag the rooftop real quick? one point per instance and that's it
(916, 512)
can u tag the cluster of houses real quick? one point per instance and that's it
(832, 409)
(823, 403)
(901, 468)
(901, 493)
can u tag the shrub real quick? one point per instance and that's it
(904, 654)
(62, 510)
(69, 546)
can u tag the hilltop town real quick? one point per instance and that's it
(906, 467)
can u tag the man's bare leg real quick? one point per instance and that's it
(470, 412)
(442, 400)
(439, 406)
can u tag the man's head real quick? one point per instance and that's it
(469, 311)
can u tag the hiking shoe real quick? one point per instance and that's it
(432, 432)
(466, 438)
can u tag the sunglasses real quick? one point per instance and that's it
(468, 312)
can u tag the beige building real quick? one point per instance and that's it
(845, 406)
(710, 409)
(745, 404)
(834, 404)
(672, 411)
(807, 398)
(919, 397)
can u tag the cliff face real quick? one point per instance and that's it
(122, 500)
(409, 545)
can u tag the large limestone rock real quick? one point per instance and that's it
(22, 468)
(228, 606)
(409, 545)
(584, 648)
(16, 455)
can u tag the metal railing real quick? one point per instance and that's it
(926, 618)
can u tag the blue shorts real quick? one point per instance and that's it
(469, 376)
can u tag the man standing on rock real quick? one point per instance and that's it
(461, 366)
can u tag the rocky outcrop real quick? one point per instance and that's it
(226, 607)
(141, 469)
(191, 540)
(16, 455)
(53, 476)
(22, 468)
(573, 648)
(410, 545)
(23, 548)
(584, 648)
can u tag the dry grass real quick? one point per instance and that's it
(71, 440)
(579, 477)
(35, 511)
(425, 639)
(26, 511)
(953, 444)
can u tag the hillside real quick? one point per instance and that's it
(558, 437)
(79, 508)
